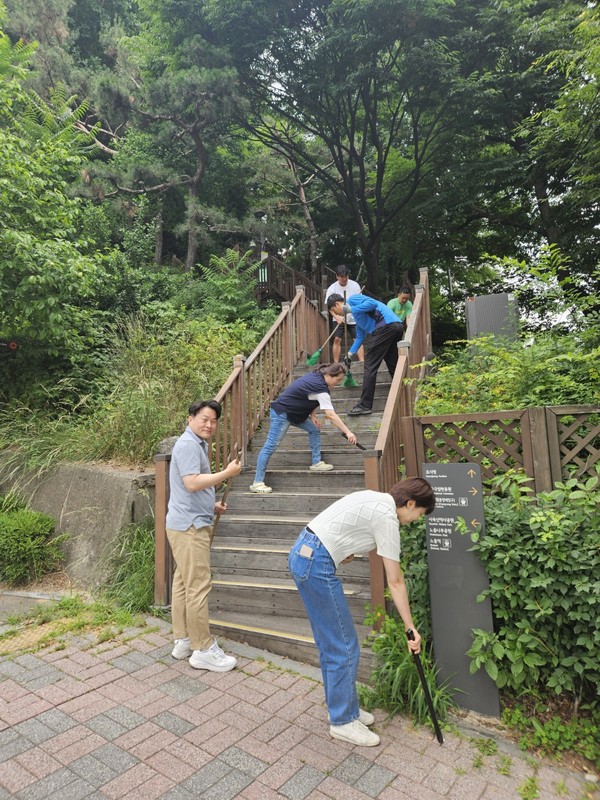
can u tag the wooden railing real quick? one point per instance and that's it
(276, 279)
(382, 464)
(549, 443)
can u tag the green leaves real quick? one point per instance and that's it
(542, 558)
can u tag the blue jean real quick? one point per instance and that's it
(332, 626)
(279, 425)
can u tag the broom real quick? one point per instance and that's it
(223, 500)
(314, 359)
(348, 382)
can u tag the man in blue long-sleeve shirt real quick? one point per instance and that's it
(379, 328)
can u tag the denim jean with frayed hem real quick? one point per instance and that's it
(332, 626)
(277, 430)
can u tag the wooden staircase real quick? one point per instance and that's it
(254, 598)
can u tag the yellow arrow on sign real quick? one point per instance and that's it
(474, 522)
(473, 491)
(471, 473)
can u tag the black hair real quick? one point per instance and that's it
(404, 290)
(417, 489)
(342, 270)
(200, 404)
(333, 299)
(331, 369)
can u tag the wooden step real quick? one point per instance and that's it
(267, 560)
(248, 595)
(287, 636)
(285, 479)
(284, 502)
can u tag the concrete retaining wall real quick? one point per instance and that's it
(92, 503)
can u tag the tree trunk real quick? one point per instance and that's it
(158, 239)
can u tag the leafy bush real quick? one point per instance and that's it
(28, 549)
(542, 557)
(488, 374)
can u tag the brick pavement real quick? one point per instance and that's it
(124, 719)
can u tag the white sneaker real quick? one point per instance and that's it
(365, 717)
(355, 733)
(260, 487)
(182, 649)
(321, 466)
(213, 659)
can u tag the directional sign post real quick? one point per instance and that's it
(456, 577)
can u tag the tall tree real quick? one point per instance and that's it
(370, 79)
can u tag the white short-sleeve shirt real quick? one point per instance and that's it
(358, 523)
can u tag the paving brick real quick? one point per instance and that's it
(38, 762)
(136, 735)
(271, 728)
(179, 793)
(189, 753)
(14, 776)
(42, 680)
(76, 790)
(142, 700)
(115, 757)
(300, 785)
(351, 769)
(281, 771)
(374, 780)
(250, 712)
(192, 715)
(467, 787)
(97, 704)
(293, 710)
(242, 761)
(258, 791)
(183, 688)
(57, 720)
(106, 727)
(155, 787)
(128, 782)
(169, 765)
(173, 723)
(51, 784)
(11, 690)
(74, 751)
(277, 701)
(93, 770)
(333, 788)
(13, 747)
(205, 731)
(26, 707)
(315, 758)
(152, 745)
(97, 678)
(206, 777)
(228, 787)
(264, 751)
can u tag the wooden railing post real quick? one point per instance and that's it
(540, 451)
(241, 411)
(162, 561)
(372, 464)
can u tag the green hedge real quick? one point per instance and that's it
(28, 547)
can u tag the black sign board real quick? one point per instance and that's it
(456, 577)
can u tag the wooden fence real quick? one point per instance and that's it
(549, 443)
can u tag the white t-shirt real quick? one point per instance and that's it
(352, 287)
(323, 399)
(358, 523)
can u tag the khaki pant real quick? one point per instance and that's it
(191, 585)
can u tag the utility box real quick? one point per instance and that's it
(497, 314)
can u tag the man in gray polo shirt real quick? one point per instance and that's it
(190, 517)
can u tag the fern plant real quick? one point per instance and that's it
(229, 287)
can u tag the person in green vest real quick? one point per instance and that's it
(401, 305)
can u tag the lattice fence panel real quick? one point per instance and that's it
(496, 445)
(579, 443)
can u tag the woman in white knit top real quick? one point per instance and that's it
(358, 523)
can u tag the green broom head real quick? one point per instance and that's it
(314, 359)
(349, 382)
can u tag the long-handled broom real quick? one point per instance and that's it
(314, 359)
(223, 500)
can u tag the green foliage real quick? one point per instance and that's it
(413, 560)
(487, 375)
(157, 368)
(579, 735)
(229, 287)
(11, 502)
(28, 548)
(132, 566)
(395, 680)
(542, 556)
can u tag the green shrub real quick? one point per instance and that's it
(542, 556)
(28, 549)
